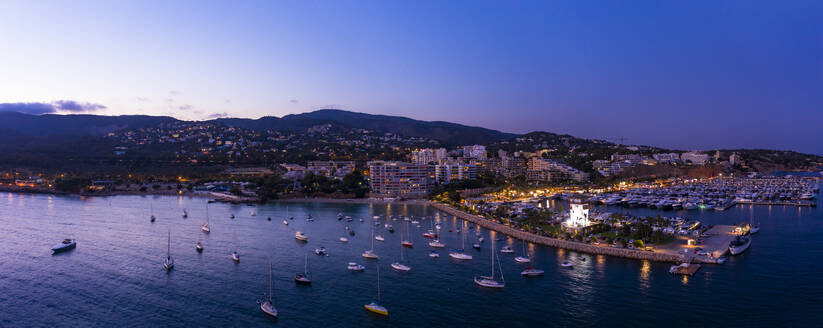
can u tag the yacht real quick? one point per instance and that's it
(65, 245)
(740, 244)
(356, 267)
(369, 254)
(299, 235)
(437, 244)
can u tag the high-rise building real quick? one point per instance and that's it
(399, 178)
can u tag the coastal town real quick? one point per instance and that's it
(510, 188)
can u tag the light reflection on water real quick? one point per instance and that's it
(119, 254)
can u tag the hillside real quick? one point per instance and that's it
(446, 133)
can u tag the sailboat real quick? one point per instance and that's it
(185, 213)
(375, 307)
(205, 226)
(407, 241)
(399, 266)
(151, 211)
(266, 303)
(491, 282)
(199, 245)
(369, 254)
(458, 253)
(303, 277)
(168, 263)
(436, 242)
(525, 258)
(234, 256)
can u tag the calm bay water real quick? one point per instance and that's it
(115, 276)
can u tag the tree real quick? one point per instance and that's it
(71, 184)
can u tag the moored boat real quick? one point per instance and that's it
(65, 245)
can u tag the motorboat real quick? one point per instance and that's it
(299, 235)
(476, 245)
(199, 247)
(521, 259)
(379, 238)
(321, 251)
(434, 254)
(507, 250)
(754, 229)
(566, 264)
(436, 244)
(430, 234)
(235, 257)
(285, 222)
(356, 267)
(65, 245)
(205, 227)
(407, 243)
(344, 240)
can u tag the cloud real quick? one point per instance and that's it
(218, 115)
(142, 99)
(174, 92)
(293, 101)
(60, 106)
(76, 107)
(185, 107)
(27, 108)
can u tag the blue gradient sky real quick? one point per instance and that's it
(685, 74)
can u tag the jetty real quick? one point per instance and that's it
(565, 244)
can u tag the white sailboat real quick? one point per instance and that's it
(303, 277)
(205, 226)
(266, 303)
(458, 253)
(525, 258)
(490, 281)
(369, 254)
(399, 266)
(234, 256)
(375, 307)
(199, 245)
(168, 263)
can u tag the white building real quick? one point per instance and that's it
(578, 214)
(428, 155)
(695, 157)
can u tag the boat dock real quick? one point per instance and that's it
(711, 245)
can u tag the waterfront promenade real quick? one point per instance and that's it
(565, 244)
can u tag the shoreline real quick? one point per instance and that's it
(564, 244)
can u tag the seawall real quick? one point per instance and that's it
(565, 244)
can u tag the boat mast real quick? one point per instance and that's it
(168, 250)
(378, 283)
(492, 259)
(270, 282)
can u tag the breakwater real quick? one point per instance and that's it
(565, 244)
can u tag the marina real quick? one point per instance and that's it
(116, 229)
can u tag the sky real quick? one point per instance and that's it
(680, 74)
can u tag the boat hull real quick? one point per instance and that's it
(375, 308)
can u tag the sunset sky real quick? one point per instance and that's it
(684, 74)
